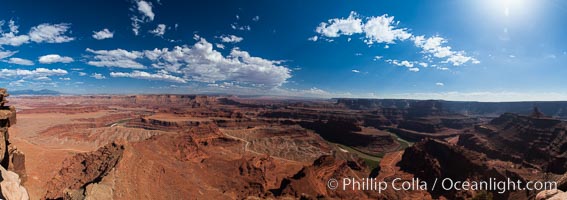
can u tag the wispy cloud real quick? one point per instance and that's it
(162, 75)
(24, 73)
(116, 58)
(143, 12)
(98, 76)
(20, 61)
(159, 30)
(231, 39)
(50, 33)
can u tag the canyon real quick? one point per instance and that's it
(229, 147)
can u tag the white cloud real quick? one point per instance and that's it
(18, 83)
(12, 38)
(36, 73)
(439, 84)
(20, 61)
(337, 27)
(382, 29)
(256, 18)
(146, 8)
(82, 74)
(6, 54)
(98, 76)
(50, 33)
(314, 38)
(147, 15)
(136, 25)
(65, 79)
(116, 58)
(404, 63)
(231, 39)
(435, 46)
(159, 31)
(314, 91)
(220, 46)
(235, 26)
(54, 58)
(201, 62)
(355, 71)
(423, 64)
(162, 75)
(103, 34)
(42, 78)
(378, 58)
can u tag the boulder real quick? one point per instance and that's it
(11, 187)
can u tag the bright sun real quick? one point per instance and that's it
(510, 8)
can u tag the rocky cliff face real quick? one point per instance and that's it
(309, 182)
(10, 157)
(431, 159)
(82, 170)
(522, 139)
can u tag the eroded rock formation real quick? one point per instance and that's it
(10, 157)
(529, 140)
(83, 169)
(434, 159)
(310, 182)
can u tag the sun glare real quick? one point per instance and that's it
(510, 8)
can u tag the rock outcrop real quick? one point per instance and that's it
(11, 186)
(83, 169)
(551, 195)
(529, 140)
(310, 182)
(10, 157)
(433, 159)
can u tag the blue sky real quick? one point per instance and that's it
(483, 50)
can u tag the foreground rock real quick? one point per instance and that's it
(551, 195)
(10, 157)
(11, 186)
(431, 159)
(81, 170)
(528, 140)
(310, 182)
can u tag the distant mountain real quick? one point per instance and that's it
(34, 92)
